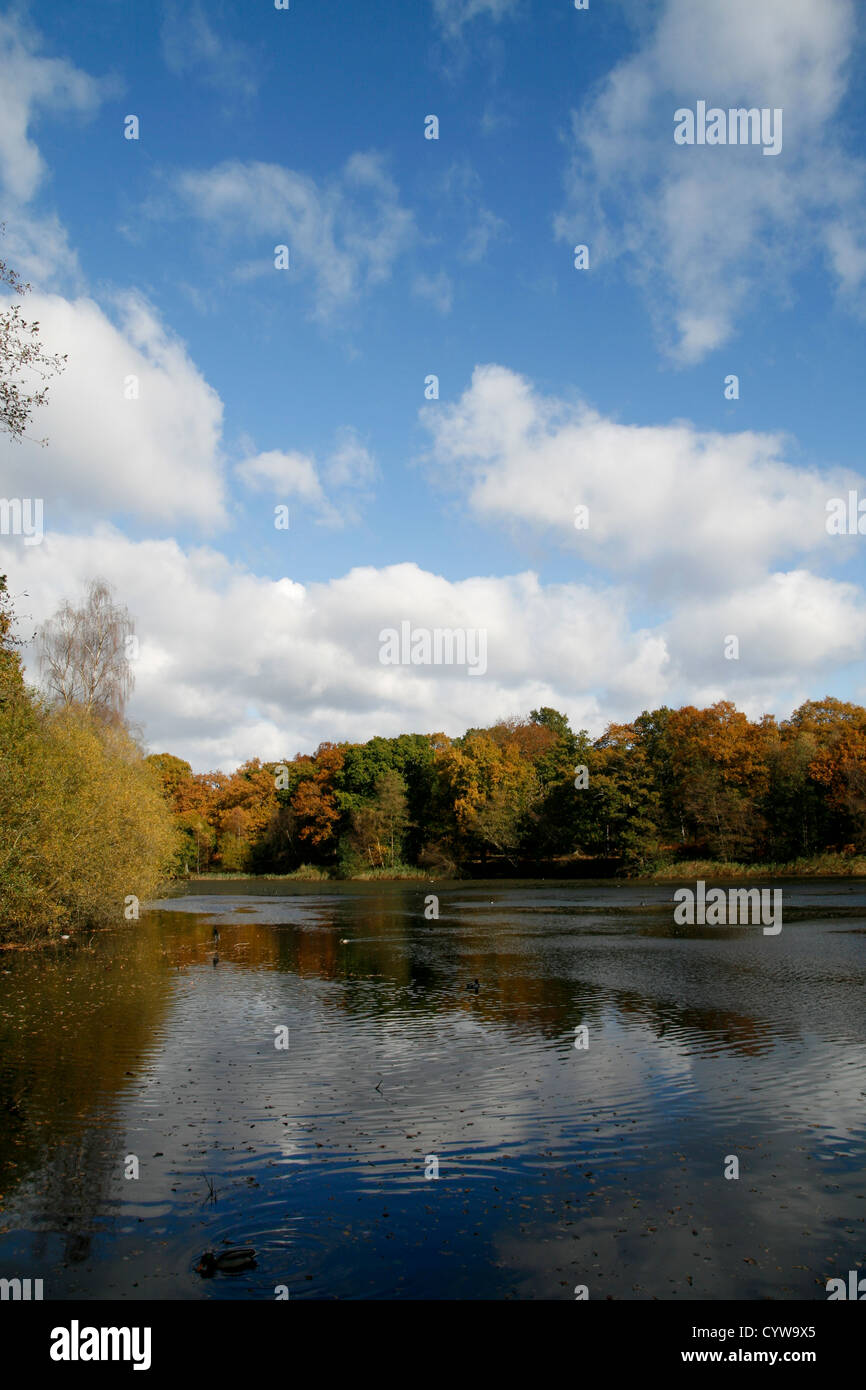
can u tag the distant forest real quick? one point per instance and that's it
(674, 784)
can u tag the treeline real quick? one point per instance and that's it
(676, 783)
(84, 827)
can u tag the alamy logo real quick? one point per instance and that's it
(739, 907)
(22, 516)
(856, 1288)
(20, 1289)
(846, 520)
(439, 646)
(737, 126)
(75, 1343)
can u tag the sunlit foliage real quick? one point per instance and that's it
(84, 828)
(672, 785)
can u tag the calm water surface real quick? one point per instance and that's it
(557, 1166)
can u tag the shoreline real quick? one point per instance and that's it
(835, 866)
(276, 884)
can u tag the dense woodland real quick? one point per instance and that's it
(687, 783)
(89, 822)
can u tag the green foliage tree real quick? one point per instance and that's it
(625, 798)
(379, 826)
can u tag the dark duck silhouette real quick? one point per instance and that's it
(474, 986)
(227, 1261)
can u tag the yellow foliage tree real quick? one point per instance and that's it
(83, 824)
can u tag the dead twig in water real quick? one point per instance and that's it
(211, 1188)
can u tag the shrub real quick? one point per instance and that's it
(83, 824)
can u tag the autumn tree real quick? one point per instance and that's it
(244, 806)
(491, 789)
(835, 734)
(234, 840)
(720, 767)
(194, 799)
(84, 828)
(175, 775)
(689, 782)
(11, 677)
(314, 799)
(379, 827)
(199, 840)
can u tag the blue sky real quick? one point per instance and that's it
(454, 256)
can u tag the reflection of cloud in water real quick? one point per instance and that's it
(698, 1048)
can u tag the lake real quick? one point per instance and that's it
(604, 1165)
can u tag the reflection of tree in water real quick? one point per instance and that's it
(426, 968)
(74, 1024)
(708, 1027)
(386, 939)
(72, 1188)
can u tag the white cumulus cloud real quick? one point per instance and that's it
(155, 457)
(677, 508)
(235, 665)
(708, 230)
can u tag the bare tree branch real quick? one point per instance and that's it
(83, 653)
(21, 357)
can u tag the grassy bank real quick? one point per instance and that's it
(674, 870)
(815, 866)
(311, 873)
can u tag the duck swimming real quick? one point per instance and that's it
(227, 1261)
(474, 986)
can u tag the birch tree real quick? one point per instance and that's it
(84, 653)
